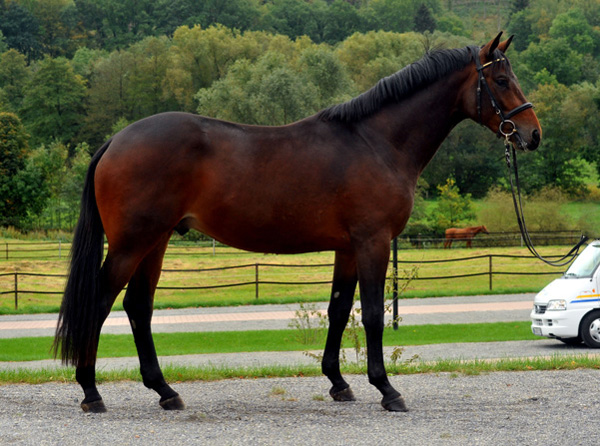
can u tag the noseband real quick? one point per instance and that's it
(507, 127)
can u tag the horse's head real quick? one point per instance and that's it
(495, 98)
(484, 229)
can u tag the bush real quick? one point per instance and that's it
(542, 211)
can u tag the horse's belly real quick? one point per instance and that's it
(280, 234)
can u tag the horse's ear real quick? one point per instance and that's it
(503, 46)
(490, 47)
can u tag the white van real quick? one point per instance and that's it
(568, 309)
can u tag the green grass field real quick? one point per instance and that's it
(31, 349)
(193, 258)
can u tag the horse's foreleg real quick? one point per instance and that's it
(340, 305)
(113, 277)
(372, 261)
(138, 304)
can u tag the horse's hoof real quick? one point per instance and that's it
(93, 406)
(173, 403)
(342, 395)
(394, 404)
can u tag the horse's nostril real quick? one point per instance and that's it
(535, 140)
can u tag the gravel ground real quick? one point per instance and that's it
(524, 408)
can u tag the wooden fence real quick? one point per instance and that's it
(17, 284)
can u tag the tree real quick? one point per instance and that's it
(239, 14)
(152, 59)
(575, 29)
(53, 102)
(109, 96)
(396, 15)
(471, 156)
(64, 170)
(424, 20)
(20, 29)
(57, 22)
(323, 69)
(268, 92)
(371, 56)
(557, 56)
(22, 187)
(452, 209)
(569, 119)
(13, 78)
(343, 20)
(3, 44)
(292, 18)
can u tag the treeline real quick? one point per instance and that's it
(72, 73)
(60, 27)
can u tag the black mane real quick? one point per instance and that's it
(432, 67)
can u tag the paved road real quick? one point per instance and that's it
(443, 310)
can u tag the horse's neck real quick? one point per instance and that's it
(417, 126)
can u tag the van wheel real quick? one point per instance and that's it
(590, 329)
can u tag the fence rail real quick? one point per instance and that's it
(12, 283)
(60, 249)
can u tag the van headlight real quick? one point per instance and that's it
(557, 305)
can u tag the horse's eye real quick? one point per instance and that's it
(502, 82)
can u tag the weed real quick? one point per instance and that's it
(277, 391)
(309, 324)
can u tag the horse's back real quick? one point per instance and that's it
(451, 232)
(291, 188)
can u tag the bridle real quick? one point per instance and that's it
(504, 118)
(511, 157)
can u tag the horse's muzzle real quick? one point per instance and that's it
(529, 144)
(535, 140)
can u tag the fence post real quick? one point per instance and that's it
(16, 291)
(59, 250)
(256, 279)
(6, 251)
(490, 270)
(395, 283)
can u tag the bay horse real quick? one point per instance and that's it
(463, 234)
(342, 180)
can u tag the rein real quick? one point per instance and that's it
(511, 158)
(510, 152)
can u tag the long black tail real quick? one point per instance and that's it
(76, 334)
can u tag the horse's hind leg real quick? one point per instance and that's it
(138, 304)
(340, 305)
(114, 275)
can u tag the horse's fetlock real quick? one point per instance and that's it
(153, 380)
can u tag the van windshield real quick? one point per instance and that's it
(585, 264)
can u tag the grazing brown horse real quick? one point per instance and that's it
(341, 180)
(463, 234)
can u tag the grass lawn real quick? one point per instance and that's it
(272, 268)
(30, 349)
